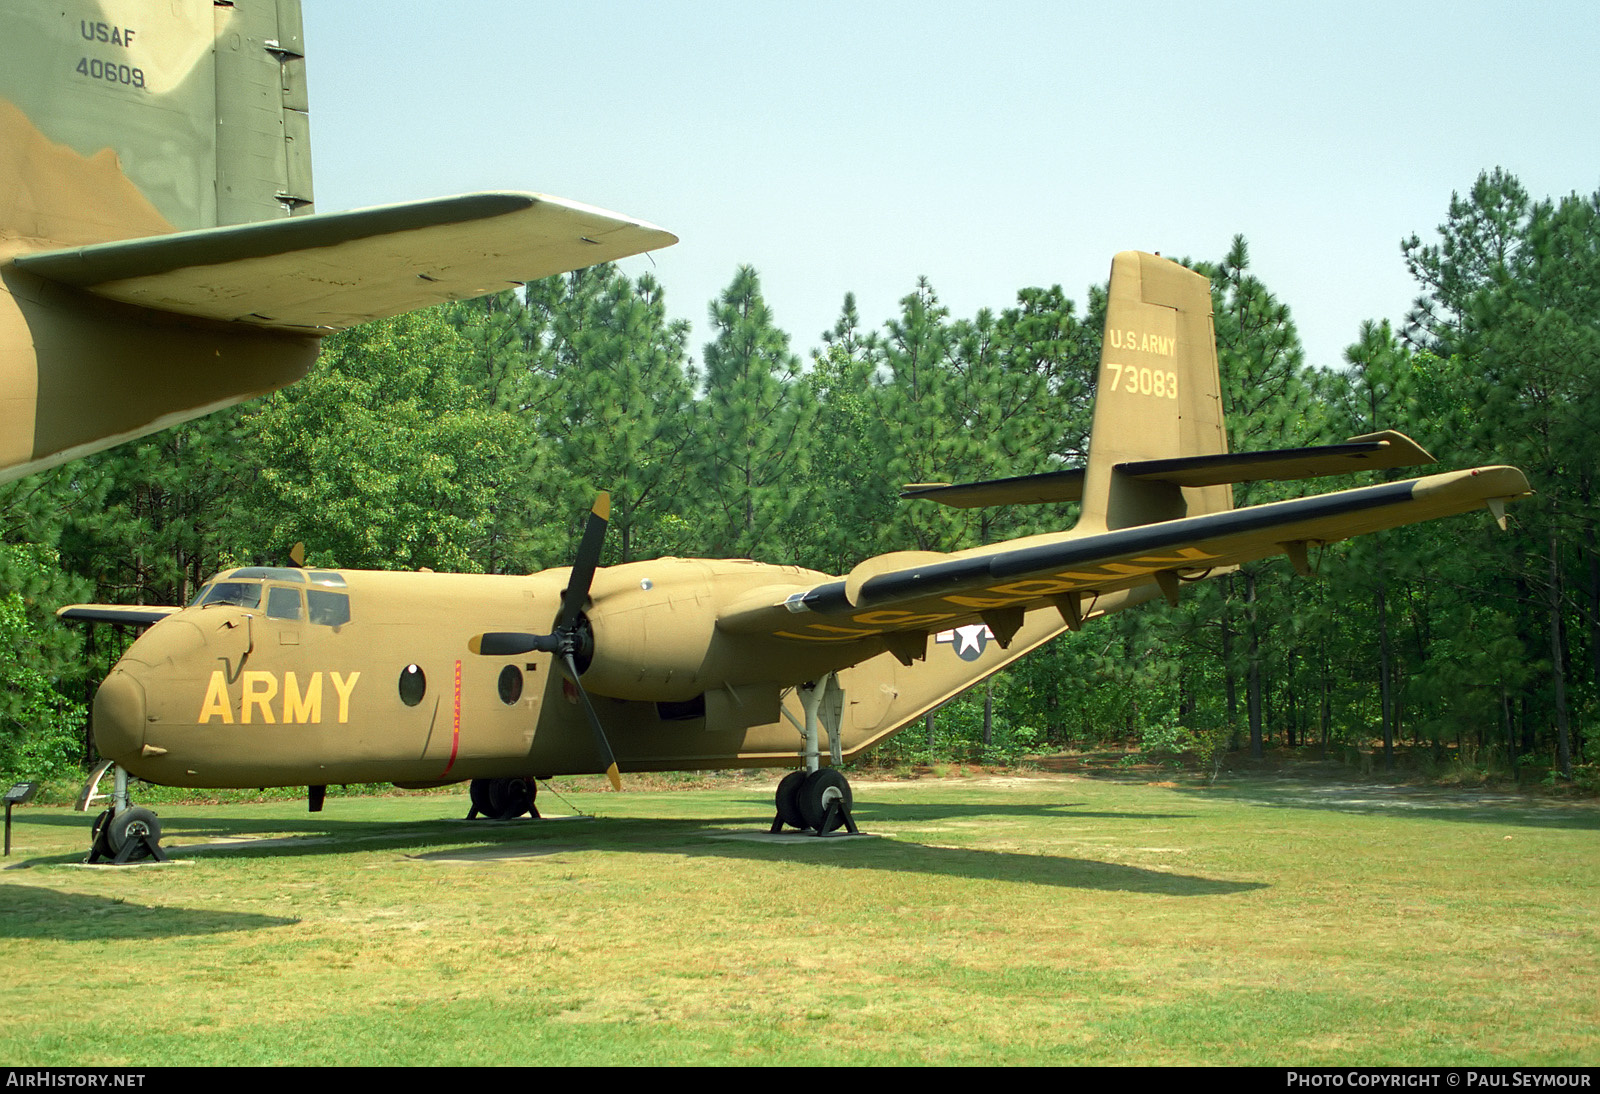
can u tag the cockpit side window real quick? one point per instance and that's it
(328, 609)
(243, 594)
(284, 604)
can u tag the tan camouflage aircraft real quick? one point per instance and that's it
(159, 257)
(288, 676)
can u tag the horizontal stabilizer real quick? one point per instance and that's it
(1368, 452)
(127, 615)
(329, 271)
(1042, 489)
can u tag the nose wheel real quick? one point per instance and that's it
(125, 832)
(126, 835)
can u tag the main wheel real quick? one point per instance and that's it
(138, 824)
(478, 790)
(511, 798)
(821, 789)
(788, 799)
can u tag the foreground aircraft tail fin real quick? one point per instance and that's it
(1159, 396)
(119, 121)
(159, 255)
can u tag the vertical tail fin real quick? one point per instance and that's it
(1159, 395)
(125, 120)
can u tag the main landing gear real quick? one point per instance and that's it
(818, 798)
(504, 799)
(124, 833)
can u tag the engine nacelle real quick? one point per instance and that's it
(654, 648)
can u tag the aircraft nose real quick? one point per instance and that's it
(119, 716)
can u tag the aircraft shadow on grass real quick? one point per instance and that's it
(38, 913)
(734, 836)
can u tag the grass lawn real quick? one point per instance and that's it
(1031, 919)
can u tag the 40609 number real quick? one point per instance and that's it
(110, 72)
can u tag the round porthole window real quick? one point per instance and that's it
(413, 685)
(510, 685)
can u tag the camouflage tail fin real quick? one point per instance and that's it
(120, 121)
(1159, 395)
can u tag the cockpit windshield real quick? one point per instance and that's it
(241, 594)
(323, 606)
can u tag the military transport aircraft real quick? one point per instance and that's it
(288, 676)
(159, 257)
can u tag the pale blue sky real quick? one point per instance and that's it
(853, 147)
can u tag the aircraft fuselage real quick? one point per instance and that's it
(290, 677)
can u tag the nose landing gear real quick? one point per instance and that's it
(123, 833)
(127, 836)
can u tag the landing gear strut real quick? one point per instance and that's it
(503, 799)
(123, 833)
(818, 798)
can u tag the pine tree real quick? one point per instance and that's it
(755, 420)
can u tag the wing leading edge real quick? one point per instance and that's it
(1071, 572)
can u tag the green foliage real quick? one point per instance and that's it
(40, 728)
(757, 417)
(958, 732)
(1210, 749)
(383, 458)
(616, 403)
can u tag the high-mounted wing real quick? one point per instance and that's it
(329, 271)
(126, 615)
(1068, 572)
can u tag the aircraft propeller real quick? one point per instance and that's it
(570, 638)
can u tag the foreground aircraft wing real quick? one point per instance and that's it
(128, 615)
(329, 271)
(998, 584)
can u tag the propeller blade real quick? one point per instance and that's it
(583, 567)
(603, 746)
(511, 643)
